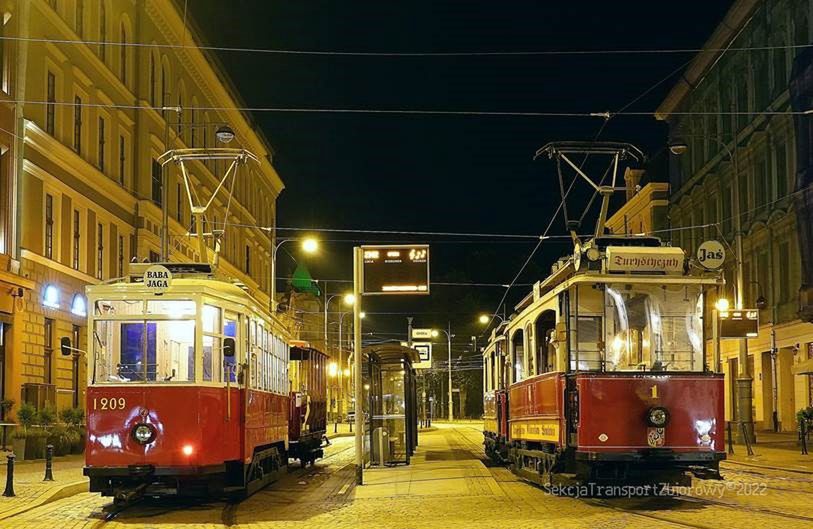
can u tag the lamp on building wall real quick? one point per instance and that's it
(50, 296)
(678, 148)
(224, 134)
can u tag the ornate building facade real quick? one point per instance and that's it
(84, 121)
(734, 173)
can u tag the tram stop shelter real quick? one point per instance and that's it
(390, 394)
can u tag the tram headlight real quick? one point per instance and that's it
(143, 433)
(657, 417)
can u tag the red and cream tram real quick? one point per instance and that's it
(602, 372)
(189, 389)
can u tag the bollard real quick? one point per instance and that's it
(747, 438)
(803, 435)
(730, 438)
(9, 492)
(49, 456)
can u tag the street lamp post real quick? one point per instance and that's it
(309, 245)
(449, 337)
(744, 381)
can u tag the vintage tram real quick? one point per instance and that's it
(189, 388)
(602, 375)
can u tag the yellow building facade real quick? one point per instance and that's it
(84, 122)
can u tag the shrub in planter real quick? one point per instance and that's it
(46, 417)
(63, 438)
(35, 442)
(26, 415)
(5, 407)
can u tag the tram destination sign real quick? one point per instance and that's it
(739, 323)
(632, 259)
(157, 279)
(395, 270)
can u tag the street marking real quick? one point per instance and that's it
(344, 488)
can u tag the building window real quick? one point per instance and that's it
(50, 107)
(192, 128)
(79, 306)
(77, 125)
(102, 29)
(164, 94)
(77, 236)
(101, 144)
(248, 259)
(153, 101)
(782, 177)
(784, 272)
(80, 18)
(100, 252)
(120, 263)
(156, 182)
(122, 159)
(154, 257)
(49, 226)
(123, 54)
(50, 296)
(49, 350)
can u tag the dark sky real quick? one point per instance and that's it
(444, 173)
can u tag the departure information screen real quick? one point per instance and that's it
(394, 270)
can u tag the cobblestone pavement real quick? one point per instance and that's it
(30, 489)
(448, 485)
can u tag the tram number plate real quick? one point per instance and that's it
(111, 403)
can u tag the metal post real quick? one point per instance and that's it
(357, 361)
(449, 347)
(803, 435)
(729, 438)
(9, 492)
(49, 457)
(774, 377)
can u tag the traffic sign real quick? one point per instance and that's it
(421, 334)
(425, 352)
(711, 255)
(395, 269)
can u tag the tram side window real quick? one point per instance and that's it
(586, 328)
(518, 348)
(212, 343)
(230, 362)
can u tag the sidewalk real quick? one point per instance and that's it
(30, 489)
(778, 451)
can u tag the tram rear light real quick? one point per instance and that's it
(188, 450)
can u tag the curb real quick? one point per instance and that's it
(342, 434)
(58, 493)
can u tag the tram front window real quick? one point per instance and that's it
(144, 349)
(647, 327)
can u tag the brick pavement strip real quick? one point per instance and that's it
(30, 489)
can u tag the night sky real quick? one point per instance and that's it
(444, 173)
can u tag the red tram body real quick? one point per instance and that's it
(603, 377)
(193, 392)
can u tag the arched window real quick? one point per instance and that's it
(164, 86)
(179, 115)
(193, 131)
(531, 369)
(123, 51)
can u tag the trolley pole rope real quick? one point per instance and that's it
(357, 363)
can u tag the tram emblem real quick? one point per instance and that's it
(655, 437)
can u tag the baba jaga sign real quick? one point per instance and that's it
(665, 260)
(157, 278)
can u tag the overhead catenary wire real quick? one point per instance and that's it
(350, 53)
(416, 111)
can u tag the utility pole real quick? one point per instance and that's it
(357, 362)
(449, 347)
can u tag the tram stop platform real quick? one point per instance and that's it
(443, 465)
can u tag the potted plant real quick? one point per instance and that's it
(26, 415)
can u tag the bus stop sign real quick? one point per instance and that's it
(395, 269)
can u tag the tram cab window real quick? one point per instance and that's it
(639, 327)
(137, 341)
(230, 362)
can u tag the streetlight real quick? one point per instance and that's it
(485, 319)
(435, 333)
(309, 245)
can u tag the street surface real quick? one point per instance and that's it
(450, 485)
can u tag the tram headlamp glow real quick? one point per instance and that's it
(657, 417)
(143, 433)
